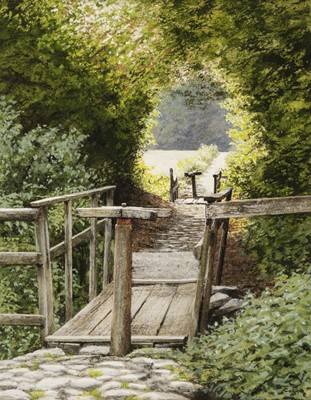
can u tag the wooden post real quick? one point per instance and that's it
(223, 245)
(211, 250)
(200, 282)
(45, 283)
(68, 258)
(93, 266)
(107, 244)
(121, 314)
(171, 185)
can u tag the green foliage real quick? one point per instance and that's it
(280, 243)
(93, 66)
(36, 394)
(151, 182)
(41, 161)
(264, 353)
(201, 160)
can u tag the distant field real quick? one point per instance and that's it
(163, 160)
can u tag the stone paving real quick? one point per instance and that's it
(50, 374)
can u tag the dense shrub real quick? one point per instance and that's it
(264, 353)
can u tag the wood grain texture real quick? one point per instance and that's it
(136, 339)
(175, 320)
(22, 320)
(20, 258)
(68, 259)
(152, 314)
(258, 207)
(84, 320)
(18, 214)
(122, 297)
(92, 257)
(45, 282)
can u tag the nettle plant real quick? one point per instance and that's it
(264, 353)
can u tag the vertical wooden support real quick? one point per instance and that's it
(68, 258)
(200, 282)
(45, 282)
(107, 244)
(93, 266)
(211, 250)
(121, 314)
(222, 250)
(194, 186)
(171, 185)
(223, 245)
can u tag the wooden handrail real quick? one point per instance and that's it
(18, 214)
(70, 241)
(260, 207)
(20, 258)
(72, 196)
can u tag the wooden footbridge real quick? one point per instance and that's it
(128, 311)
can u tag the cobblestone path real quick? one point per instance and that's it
(49, 374)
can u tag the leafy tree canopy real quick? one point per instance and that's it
(94, 66)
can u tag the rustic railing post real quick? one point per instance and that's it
(121, 314)
(211, 251)
(45, 283)
(107, 244)
(200, 282)
(223, 245)
(93, 266)
(68, 258)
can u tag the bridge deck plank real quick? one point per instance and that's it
(157, 310)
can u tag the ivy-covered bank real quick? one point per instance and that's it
(262, 354)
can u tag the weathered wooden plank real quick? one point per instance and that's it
(211, 251)
(86, 318)
(107, 256)
(200, 283)
(72, 196)
(151, 315)
(121, 314)
(117, 212)
(139, 297)
(80, 237)
(18, 214)
(20, 258)
(179, 314)
(260, 207)
(136, 339)
(22, 320)
(68, 259)
(163, 281)
(92, 258)
(45, 283)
